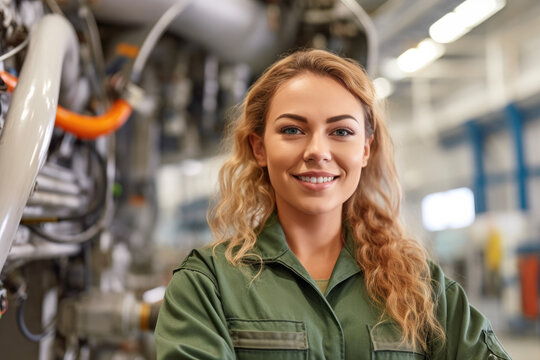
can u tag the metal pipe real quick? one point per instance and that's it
(234, 30)
(106, 216)
(52, 58)
(49, 183)
(43, 198)
(153, 36)
(41, 249)
(371, 34)
(58, 172)
(84, 126)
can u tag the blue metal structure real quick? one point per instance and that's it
(515, 122)
(511, 118)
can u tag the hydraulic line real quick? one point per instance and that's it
(106, 215)
(15, 50)
(84, 126)
(22, 325)
(91, 127)
(153, 36)
(98, 205)
(371, 33)
(233, 30)
(29, 122)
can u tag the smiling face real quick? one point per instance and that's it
(314, 145)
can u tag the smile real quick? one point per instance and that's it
(316, 180)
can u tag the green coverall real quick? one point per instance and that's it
(213, 310)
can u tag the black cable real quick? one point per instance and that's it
(87, 262)
(22, 326)
(101, 201)
(89, 232)
(97, 206)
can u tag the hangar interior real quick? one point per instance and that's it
(112, 114)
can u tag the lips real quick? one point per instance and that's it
(316, 177)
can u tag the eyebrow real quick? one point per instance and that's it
(304, 120)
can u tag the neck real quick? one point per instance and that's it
(314, 239)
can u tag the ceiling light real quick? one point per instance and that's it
(416, 58)
(465, 16)
(383, 88)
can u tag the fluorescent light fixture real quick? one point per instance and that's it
(191, 167)
(390, 70)
(465, 16)
(423, 54)
(383, 87)
(452, 209)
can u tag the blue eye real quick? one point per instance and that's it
(290, 131)
(342, 132)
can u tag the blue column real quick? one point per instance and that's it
(475, 136)
(515, 122)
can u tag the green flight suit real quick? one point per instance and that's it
(213, 310)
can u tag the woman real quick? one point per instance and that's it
(310, 259)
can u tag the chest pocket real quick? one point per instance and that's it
(386, 344)
(268, 339)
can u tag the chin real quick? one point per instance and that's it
(318, 209)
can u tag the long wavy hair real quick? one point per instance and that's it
(395, 266)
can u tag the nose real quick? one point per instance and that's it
(317, 148)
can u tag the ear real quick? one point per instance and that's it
(367, 150)
(257, 146)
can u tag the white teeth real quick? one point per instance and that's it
(316, 180)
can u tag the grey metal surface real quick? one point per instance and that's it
(52, 56)
(45, 198)
(235, 30)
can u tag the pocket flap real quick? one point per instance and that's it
(387, 337)
(268, 334)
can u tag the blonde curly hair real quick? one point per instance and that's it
(396, 269)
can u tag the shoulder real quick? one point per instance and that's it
(452, 301)
(439, 281)
(447, 293)
(469, 334)
(206, 261)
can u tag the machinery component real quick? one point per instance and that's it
(66, 230)
(103, 203)
(57, 172)
(154, 35)
(22, 325)
(239, 31)
(106, 315)
(3, 300)
(27, 131)
(41, 249)
(18, 286)
(53, 184)
(43, 198)
(371, 33)
(84, 126)
(15, 50)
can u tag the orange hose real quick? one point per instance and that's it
(91, 127)
(10, 80)
(83, 126)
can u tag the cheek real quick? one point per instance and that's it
(275, 165)
(353, 159)
(353, 167)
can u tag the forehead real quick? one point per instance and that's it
(313, 95)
